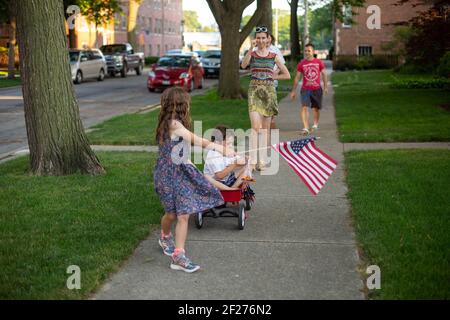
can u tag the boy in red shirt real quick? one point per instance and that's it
(311, 91)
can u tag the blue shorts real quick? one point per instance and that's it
(312, 98)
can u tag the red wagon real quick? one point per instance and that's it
(233, 207)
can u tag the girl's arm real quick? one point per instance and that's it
(218, 184)
(298, 77)
(178, 128)
(325, 81)
(284, 72)
(246, 61)
(228, 169)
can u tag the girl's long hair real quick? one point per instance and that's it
(175, 103)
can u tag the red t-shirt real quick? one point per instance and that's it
(311, 73)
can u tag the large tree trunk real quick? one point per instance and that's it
(56, 138)
(229, 85)
(266, 17)
(228, 15)
(295, 39)
(12, 48)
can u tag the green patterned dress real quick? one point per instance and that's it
(262, 96)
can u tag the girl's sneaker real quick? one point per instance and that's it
(181, 262)
(167, 245)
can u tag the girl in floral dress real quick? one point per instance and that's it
(181, 187)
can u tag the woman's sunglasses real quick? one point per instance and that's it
(261, 29)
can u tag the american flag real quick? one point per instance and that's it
(310, 163)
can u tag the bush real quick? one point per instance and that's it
(363, 63)
(411, 69)
(150, 60)
(443, 69)
(438, 83)
(353, 62)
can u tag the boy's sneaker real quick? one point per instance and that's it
(167, 245)
(181, 262)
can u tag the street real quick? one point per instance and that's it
(98, 102)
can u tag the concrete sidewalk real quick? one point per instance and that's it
(294, 245)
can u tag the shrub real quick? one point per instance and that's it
(150, 60)
(443, 69)
(353, 62)
(437, 83)
(411, 69)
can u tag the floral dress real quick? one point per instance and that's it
(262, 96)
(181, 187)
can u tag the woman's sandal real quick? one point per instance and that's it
(305, 131)
(314, 127)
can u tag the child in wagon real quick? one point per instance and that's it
(226, 173)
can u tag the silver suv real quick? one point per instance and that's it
(211, 62)
(87, 64)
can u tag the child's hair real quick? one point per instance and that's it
(174, 106)
(220, 133)
(272, 39)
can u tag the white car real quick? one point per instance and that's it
(87, 64)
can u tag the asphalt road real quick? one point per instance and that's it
(98, 101)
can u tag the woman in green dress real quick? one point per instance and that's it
(262, 96)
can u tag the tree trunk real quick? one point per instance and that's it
(56, 138)
(133, 8)
(228, 15)
(266, 18)
(72, 39)
(306, 28)
(295, 40)
(229, 84)
(12, 48)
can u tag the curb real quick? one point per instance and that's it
(149, 108)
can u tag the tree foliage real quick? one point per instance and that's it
(191, 23)
(429, 40)
(99, 12)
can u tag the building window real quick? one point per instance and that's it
(158, 50)
(150, 50)
(364, 51)
(347, 16)
(124, 23)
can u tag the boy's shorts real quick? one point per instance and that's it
(312, 98)
(230, 180)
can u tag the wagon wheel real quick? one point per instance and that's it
(241, 217)
(248, 204)
(199, 220)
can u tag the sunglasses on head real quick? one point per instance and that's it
(261, 29)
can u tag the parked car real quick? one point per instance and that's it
(174, 51)
(174, 70)
(200, 53)
(121, 58)
(85, 64)
(211, 62)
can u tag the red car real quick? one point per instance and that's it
(175, 70)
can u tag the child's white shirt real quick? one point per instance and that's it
(216, 162)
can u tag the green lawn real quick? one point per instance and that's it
(139, 129)
(4, 83)
(368, 110)
(50, 223)
(401, 212)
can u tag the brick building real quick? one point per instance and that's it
(158, 27)
(366, 36)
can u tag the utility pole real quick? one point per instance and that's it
(276, 27)
(306, 32)
(162, 26)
